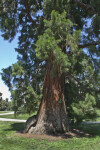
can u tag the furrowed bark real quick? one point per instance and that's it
(52, 115)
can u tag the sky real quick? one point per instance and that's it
(8, 56)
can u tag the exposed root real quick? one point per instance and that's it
(46, 128)
(29, 123)
(42, 128)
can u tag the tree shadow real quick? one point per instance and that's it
(91, 128)
(84, 130)
(18, 127)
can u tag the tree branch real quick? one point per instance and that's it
(84, 6)
(89, 44)
(28, 13)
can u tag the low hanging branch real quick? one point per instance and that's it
(89, 44)
(84, 6)
(28, 13)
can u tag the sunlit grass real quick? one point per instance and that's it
(22, 116)
(2, 112)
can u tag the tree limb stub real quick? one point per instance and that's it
(84, 6)
(28, 13)
(89, 44)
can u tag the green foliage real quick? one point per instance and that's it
(17, 69)
(25, 89)
(84, 109)
(5, 104)
(57, 35)
(6, 76)
(96, 25)
(0, 96)
(32, 100)
(58, 5)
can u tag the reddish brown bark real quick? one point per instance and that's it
(52, 115)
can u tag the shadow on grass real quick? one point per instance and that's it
(93, 128)
(18, 127)
(85, 130)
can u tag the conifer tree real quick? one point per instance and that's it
(54, 32)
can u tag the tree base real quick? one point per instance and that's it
(51, 126)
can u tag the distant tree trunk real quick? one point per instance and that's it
(52, 115)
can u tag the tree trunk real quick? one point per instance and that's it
(52, 115)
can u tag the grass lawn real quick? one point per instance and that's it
(10, 141)
(19, 116)
(98, 115)
(24, 116)
(2, 112)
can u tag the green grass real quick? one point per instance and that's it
(2, 112)
(23, 116)
(98, 115)
(20, 116)
(10, 141)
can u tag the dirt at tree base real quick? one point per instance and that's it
(65, 136)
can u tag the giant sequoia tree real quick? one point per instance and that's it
(54, 33)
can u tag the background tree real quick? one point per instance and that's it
(0, 98)
(5, 104)
(55, 33)
(24, 86)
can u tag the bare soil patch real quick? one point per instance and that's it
(65, 136)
